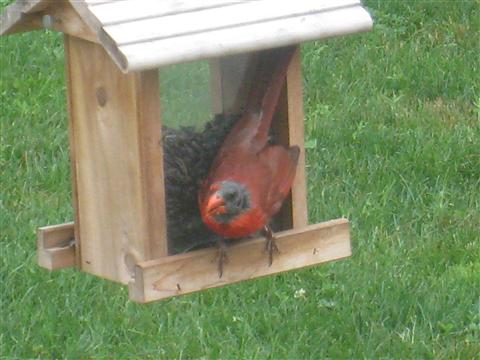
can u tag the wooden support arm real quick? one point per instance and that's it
(56, 246)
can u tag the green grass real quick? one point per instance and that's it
(393, 130)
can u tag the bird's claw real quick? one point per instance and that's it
(270, 245)
(221, 257)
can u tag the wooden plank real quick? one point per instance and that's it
(83, 10)
(151, 160)
(56, 246)
(117, 133)
(114, 12)
(237, 40)
(23, 23)
(69, 73)
(195, 271)
(288, 128)
(242, 13)
(20, 16)
(63, 17)
(31, 6)
(101, 2)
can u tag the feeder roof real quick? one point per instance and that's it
(144, 34)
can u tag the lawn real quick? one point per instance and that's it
(393, 135)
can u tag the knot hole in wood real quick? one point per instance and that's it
(101, 95)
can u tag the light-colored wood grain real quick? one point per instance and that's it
(240, 14)
(118, 163)
(56, 246)
(239, 39)
(195, 271)
(24, 23)
(113, 12)
(288, 127)
(83, 9)
(71, 137)
(63, 17)
(142, 35)
(151, 160)
(101, 2)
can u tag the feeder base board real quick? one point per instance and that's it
(197, 270)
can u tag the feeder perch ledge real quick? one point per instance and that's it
(113, 50)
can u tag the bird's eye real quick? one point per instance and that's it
(229, 196)
(239, 202)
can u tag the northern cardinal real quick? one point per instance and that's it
(250, 178)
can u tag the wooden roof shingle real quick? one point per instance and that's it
(144, 34)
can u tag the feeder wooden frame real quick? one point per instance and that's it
(119, 230)
(117, 176)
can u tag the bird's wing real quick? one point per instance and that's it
(282, 163)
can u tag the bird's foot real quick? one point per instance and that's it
(221, 257)
(270, 244)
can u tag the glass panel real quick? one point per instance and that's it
(185, 94)
(191, 138)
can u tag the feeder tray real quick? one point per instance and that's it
(113, 50)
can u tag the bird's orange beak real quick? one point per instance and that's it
(215, 205)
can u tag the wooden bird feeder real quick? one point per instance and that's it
(113, 50)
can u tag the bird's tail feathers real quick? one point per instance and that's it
(268, 81)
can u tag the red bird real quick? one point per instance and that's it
(249, 179)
